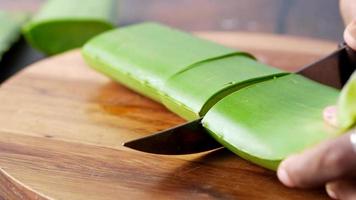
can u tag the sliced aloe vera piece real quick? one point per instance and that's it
(65, 24)
(347, 105)
(193, 92)
(144, 56)
(268, 121)
(10, 29)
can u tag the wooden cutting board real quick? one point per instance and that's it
(62, 126)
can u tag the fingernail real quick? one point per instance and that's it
(330, 115)
(283, 176)
(331, 192)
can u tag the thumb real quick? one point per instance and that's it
(327, 161)
(350, 35)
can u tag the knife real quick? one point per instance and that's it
(333, 70)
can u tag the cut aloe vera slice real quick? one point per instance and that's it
(10, 29)
(193, 92)
(347, 105)
(65, 24)
(268, 121)
(144, 56)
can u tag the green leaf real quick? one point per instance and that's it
(63, 24)
(10, 24)
(144, 56)
(268, 121)
(258, 112)
(347, 105)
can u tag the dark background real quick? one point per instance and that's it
(310, 18)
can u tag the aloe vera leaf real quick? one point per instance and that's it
(10, 30)
(268, 121)
(65, 24)
(144, 56)
(193, 92)
(347, 105)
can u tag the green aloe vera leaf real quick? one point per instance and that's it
(347, 105)
(10, 29)
(193, 92)
(144, 56)
(268, 121)
(65, 24)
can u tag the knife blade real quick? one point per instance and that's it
(187, 138)
(333, 70)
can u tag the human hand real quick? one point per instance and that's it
(348, 12)
(331, 163)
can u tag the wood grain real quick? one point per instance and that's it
(62, 126)
(13, 189)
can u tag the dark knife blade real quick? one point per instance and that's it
(184, 139)
(333, 70)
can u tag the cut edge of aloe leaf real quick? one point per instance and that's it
(63, 34)
(233, 88)
(257, 156)
(187, 113)
(197, 64)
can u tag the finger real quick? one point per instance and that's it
(330, 115)
(342, 189)
(350, 35)
(348, 10)
(328, 161)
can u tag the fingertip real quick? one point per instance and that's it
(284, 177)
(284, 171)
(330, 190)
(293, 171)
(350, 35)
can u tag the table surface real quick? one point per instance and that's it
(62, 126)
